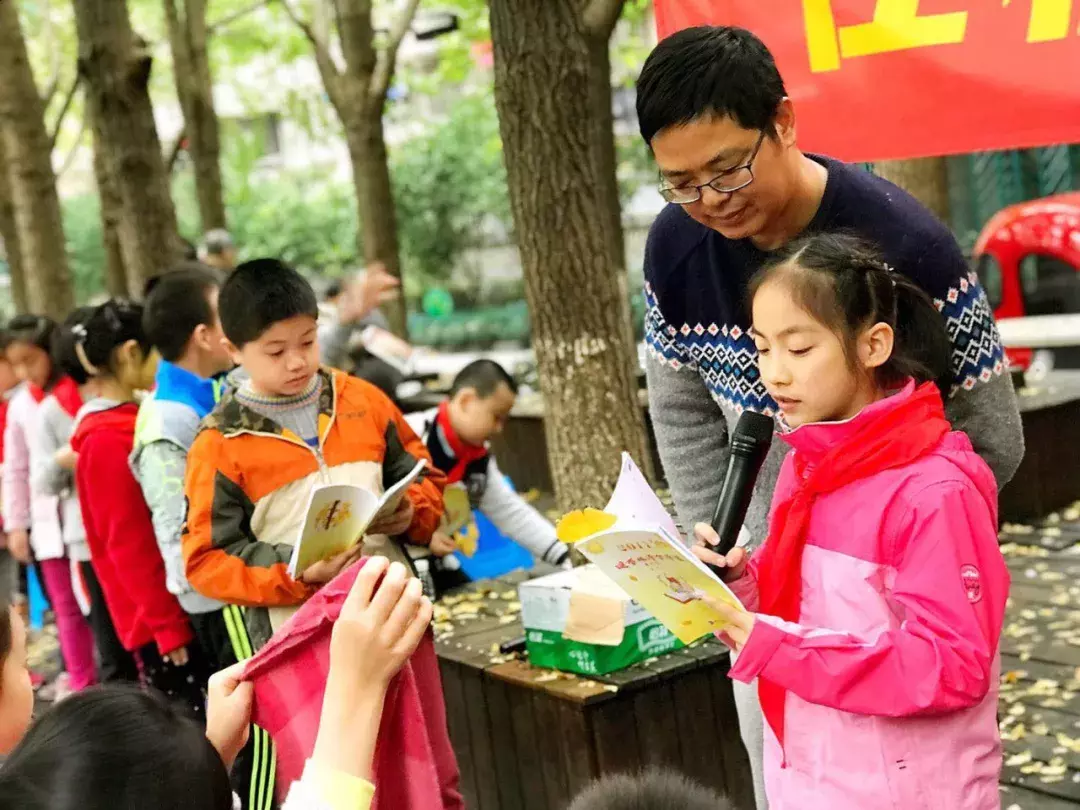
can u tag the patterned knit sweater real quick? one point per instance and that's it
(702, 364)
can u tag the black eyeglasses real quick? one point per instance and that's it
(727, 182)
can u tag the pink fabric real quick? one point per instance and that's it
(76, 640)
(892, 667)
(289, 675)
(21, 510)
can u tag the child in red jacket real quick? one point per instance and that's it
(112, 348)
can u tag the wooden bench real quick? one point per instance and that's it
(531, 739)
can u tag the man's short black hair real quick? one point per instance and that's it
(483, 376)
(260, 293)
(652, 790)
(176, 304)
(716, 71)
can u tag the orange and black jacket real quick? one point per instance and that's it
(248, 483)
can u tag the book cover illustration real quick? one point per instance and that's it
(338, 515)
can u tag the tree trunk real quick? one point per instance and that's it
(117, 65)
(9, 236)
(377, 237)
(926, 179)
(38, 221)
(111, 211)
(195, 89)
(552, 90)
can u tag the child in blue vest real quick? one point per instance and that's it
(457, 435)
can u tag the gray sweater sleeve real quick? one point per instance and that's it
(691, 435)
(989, 414)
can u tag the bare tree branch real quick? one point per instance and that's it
(64, 109)
(174, 153)
(229, 19)
(600, 17)
(384, 68)
(69, 161)
(325, 61)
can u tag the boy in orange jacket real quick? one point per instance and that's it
(289, 426)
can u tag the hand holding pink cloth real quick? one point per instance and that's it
(289, 677)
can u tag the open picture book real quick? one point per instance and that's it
(635, 543)
(338, 515)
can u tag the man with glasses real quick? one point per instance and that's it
(714, 111)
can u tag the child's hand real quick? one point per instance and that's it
(740, 623)
(178, 657)
(228, 712)
(378, 629)
(325, 570)
(442, 544)
(65, 458)
(18, 543)
(396, 523)
(373, 637)
(734, 561)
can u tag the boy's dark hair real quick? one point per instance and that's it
(5, 340)
(843, 281)
(716, 71)
(333, 290)
(110, 325)
(178, 303)
(484, 376)
(64, 354)
(114, 748)
(260, 293)
(652, 790)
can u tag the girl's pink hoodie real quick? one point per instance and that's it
(892, 669)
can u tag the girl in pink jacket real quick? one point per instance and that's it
(877, 601)
(32, 518)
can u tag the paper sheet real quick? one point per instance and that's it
(635, 503)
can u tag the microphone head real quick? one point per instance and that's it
(755, 427)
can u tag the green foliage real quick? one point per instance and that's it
(86, 252)
(446, 182)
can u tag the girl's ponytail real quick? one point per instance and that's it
(921, 346)
(108, 327)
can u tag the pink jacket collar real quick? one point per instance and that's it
(813, 440)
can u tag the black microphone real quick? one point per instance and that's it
(746, 453)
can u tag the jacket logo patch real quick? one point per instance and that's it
(972, 580)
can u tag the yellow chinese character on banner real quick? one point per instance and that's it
(1049, 20)
(897, 25)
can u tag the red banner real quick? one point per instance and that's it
(886, 79)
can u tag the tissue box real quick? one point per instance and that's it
(579, 621)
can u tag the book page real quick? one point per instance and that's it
(661, 575)
(336, 518)
(392, 497)
(634, 502)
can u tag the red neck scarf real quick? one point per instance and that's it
(67, 394)
(464, 453)
(890, 437)
(37, 392)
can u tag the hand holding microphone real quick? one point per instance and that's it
(729, 566)
(749, 446)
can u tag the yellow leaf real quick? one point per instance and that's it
(581, 524)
